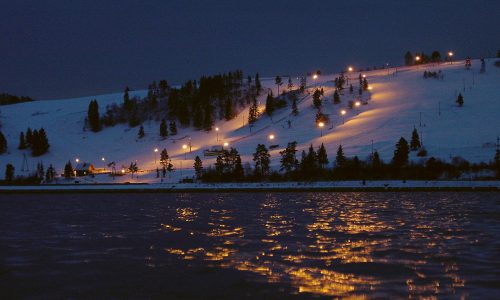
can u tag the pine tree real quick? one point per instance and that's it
(278, 81)
(408, 58)
(51, 174)
(238, 167)
(460, 100)
(401, 153)
(261, 157)
(415, 140)
(317, 98)
(126, 99)
(164, 158)
(3, 143)
(290, 84)
(163, 129)
(303, 83)
(40, 144)
(40, 172)
(253, 112)
(141, 133)
(310, 163)
(365, 84)
(258, 85)
(22, 142)
(173, 128)
(68, 170)
(288, 158)
(270, 104)
(295, 109)
(198, 167)
(322, 156)
(340, 159)
(336, 97)
(29, 136)
(9, 173)
(93, 116)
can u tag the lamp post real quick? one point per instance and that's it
(225, 145)
(185, 150)
(156, 151)
(217, 131)
(343, 112)
(271, 137)
(77, 160)
(315, 76)
(321, 125)
(450, 56)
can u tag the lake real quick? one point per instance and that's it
(250, 245)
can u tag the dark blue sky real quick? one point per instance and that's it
(61, 48)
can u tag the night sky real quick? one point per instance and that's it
(58, 49)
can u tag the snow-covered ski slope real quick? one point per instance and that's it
(400, 100)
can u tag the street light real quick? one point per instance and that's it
(450, 55)
(226, 144)
(343, 112)
(321, 125)
(370, 88)
(184, 147)
(271, 137)
(417, 58)
(217, 130)
(77, 160)
(156, 151)
(350, 69)
(357, 103)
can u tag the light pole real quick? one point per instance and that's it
(271, 137)
(185, 151)
(321, 125)
(343, 112)
(450, 56)
(225, 145)
(77, 160)
(156, 151)
(217, 131)
(315, 76)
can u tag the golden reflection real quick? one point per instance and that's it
(186, 214)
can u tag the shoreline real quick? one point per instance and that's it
(321, 186)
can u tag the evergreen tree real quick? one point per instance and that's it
(261, 157)
(408, 58)
(40, 144)
(40, 172)
(228, 109)
(165, 160)
(93, 116)
(141, 133)
(270, 104)
(365, 84)
(278, 81)
(377, 165)
(290, 84)
(309, 163)
(198, 167)
(351, 89)
(317, 98)
(22, 142)
(322, 156)
(29, 136)
(401, 153)
(219, 166)
(303, 83)
(253, 112)
(126, 99)
(336, 97)
(258, 85)
(3, 143)
(436, 56)
(208, 121)
(295, 109)
(288, 158)
(163, 129)
(51, 174)
(460, 100)
(173, 128)
(68, 170)
(238, 167)
(9, 173)
(415, 140)
(497, 163)
(340, 159)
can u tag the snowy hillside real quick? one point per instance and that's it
(399, 101)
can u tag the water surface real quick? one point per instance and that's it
(250, 245)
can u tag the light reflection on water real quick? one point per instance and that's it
(341, 244)
(350, 245)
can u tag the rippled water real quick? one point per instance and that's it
(250, 245)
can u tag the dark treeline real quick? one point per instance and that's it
(6, 99)
(423, 58)
(313, 165)
(195, 103)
